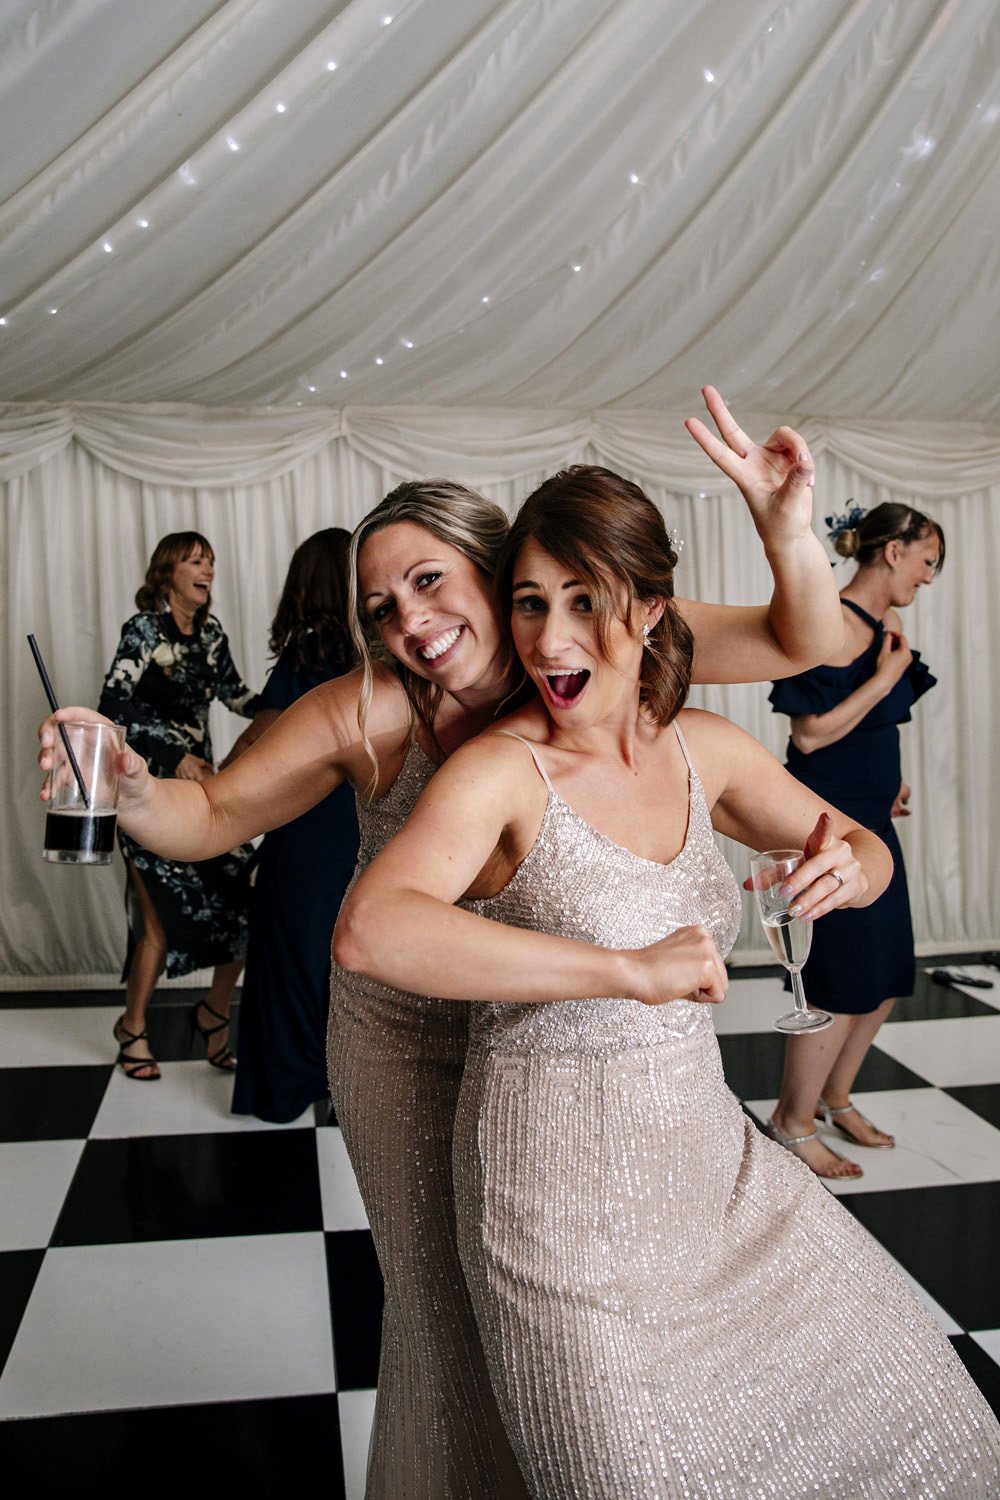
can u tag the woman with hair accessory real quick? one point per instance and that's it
(670, 1304)
(172, 660)
(303, 868)
(845, 745)
(437, 666)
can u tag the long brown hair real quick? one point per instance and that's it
(175, 547)
(311, 621)
(453, 514)
(889, 522)
(609, 533)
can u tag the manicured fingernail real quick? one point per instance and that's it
(795, 910)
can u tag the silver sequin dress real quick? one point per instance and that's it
(395, 1062)
(672, 1305)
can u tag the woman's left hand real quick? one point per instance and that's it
(775, 478)
(829, 876)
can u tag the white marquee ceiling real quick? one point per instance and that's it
(537, 203)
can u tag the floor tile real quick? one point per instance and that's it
(975, 971)
(750, 1005)
(34, 1179)
(273, 1448)
(753, 1065)
(172, 1322)
(943, 1319)
(989, 1339)
(58, 1038)
(938, 1141)
(938, 1002)
(342, 1205)
(50, 1104)
(984, 1371)
(188, 1187)
(946, 1052)
(356, 1304)
(941, 1235)
(18, 1270)
(357, 1408)
(190, 1099)
(982, 1098)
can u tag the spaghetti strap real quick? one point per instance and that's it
(534, 755)
(683, 744)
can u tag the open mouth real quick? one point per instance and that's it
(565, 688)
(434, 650)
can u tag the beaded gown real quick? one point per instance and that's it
(396, 1063)
(672, 1305)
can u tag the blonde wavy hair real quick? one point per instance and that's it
(451, 513)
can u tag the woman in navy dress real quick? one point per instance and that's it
(845, 746)
(304, 867)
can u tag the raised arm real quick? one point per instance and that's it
(814, 731)
(308, 752)
(802, 625)
(472, 826)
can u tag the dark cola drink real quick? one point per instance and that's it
(79, 837)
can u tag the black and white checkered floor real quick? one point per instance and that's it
(192, 1297)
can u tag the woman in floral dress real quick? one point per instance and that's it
(172, 660)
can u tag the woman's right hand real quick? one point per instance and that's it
(894, 657)
(684, 966)
(133, 772)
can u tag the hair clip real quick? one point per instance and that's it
(677, 542)
(847, 522)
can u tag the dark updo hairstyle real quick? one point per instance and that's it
(610, 536)
(311, 621)
(175, 547)
(890, 522)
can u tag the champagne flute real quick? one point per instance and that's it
(789, 936)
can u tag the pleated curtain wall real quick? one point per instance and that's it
(87, 489)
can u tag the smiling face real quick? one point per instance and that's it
(432, 608)
(191, 582)
(915, 564)
(581, 681)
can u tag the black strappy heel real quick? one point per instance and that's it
(221, 1058)
(133, 1066)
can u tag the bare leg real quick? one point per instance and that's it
(148, 957)
(809, 1062)
(218, 1000)
(837, 1087)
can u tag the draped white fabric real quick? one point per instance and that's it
(535, 203)
(90, 490)
(260, 260)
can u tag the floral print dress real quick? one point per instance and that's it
(160, 687)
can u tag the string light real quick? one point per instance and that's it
(343, 374)
(576, 266)
(53, 311)
(233, 145)
(331, 66)
(379, 360)
(108, 248)
(484, 299)
(633, 178)
(406, 343)
(311, 389)
(386, 20)
(708, 75)
(142, 223)
(187, 176)
(279, 109)
(3, 322)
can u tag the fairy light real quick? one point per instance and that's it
(484, 299)
(53, 311)
(633, 178)
(379, 360)
(233, 144)
(343, 374)
(331, 66)
(3, 322)
(387, 20)
(576, 266)
(142, 223)
(311, 389)
(187, 176)
(108, 248)
(708, 75)
(406, 343)
(279, 109)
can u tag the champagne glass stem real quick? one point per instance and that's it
(797, 990)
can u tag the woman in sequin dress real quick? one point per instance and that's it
(437, 667)
(671, 1306)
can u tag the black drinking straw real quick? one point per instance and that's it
(46, 684)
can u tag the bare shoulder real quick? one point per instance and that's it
(891, 621)
(720, 751)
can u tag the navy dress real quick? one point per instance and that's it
(862, 956)
(303, 870)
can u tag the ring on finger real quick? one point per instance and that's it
(838, 877)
